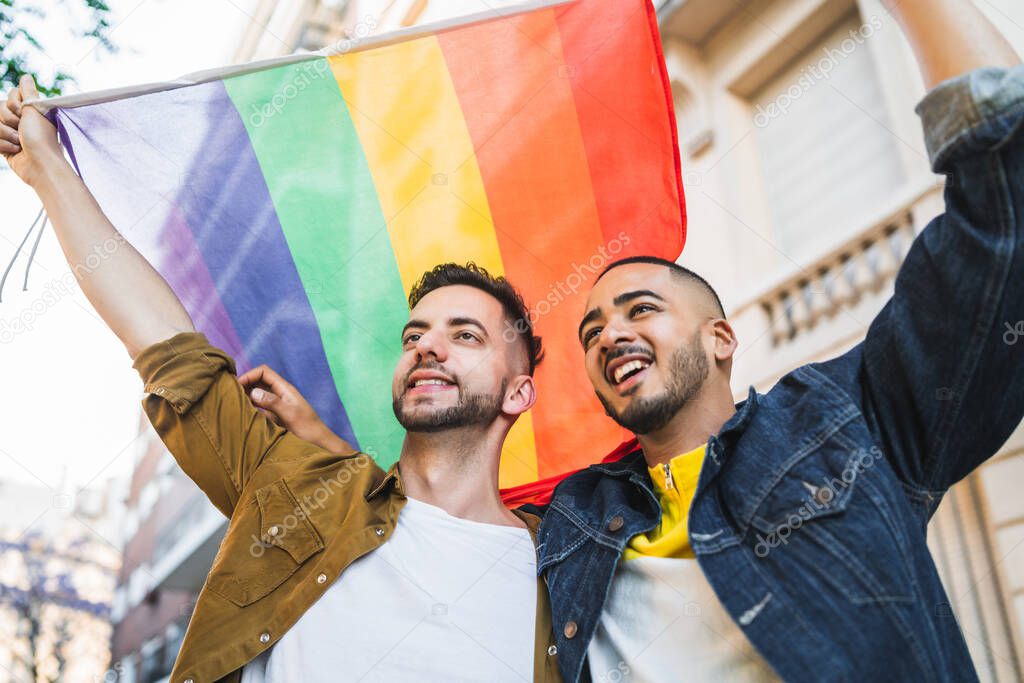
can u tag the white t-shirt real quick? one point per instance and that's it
(663, 622)
(445, 599)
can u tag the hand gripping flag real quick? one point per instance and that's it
(292, 203)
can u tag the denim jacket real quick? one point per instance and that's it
(811, 508)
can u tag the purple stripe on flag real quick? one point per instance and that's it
(193, 284)
(188, 148)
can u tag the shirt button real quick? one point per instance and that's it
(552, 650)
(570, 629)
(616, 523)
(264, 637)
(273, 530)
(321, 578)
(378, 531)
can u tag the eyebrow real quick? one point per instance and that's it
(592, 315)
(414, 324)
(455, 322)
(452, 322)
(595, 313)
(629, 296)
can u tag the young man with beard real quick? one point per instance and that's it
(786, 536)
(332, 569)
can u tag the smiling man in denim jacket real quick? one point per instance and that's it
(785, 537)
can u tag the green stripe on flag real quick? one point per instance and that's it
(327, 204)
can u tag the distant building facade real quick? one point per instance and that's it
(171, 533)
(58, 567)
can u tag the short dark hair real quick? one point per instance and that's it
(472, 275)
(677, 270)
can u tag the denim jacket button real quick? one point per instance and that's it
(552, 650)
(616, 523)
(264, 637)
(823, 496)
(570, 629)
(321, 578)
(379, 531)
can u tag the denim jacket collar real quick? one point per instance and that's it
(745, 411)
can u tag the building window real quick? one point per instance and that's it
(824, 140)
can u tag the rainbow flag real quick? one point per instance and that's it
(292, 203)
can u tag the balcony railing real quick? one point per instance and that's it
(845, 275)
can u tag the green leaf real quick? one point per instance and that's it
(17, 59)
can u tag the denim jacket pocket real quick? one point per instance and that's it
(268, 540)
(827, 520)
(808, 491)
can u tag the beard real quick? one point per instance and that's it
(470, 410)
(687, 369)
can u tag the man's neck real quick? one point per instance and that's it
(691, 427)
(457, 471)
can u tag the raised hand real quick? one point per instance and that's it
(28, 141)
(276, 398)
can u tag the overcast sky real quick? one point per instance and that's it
(68, 395)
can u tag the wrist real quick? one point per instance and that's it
(52, 171)
(328, 440)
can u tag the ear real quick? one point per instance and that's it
(725, 340)
(520, 397)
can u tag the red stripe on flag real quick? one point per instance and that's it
(613, 53)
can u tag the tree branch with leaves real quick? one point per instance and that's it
(21, 51)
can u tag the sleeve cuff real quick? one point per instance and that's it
(973, 112)
(181, 369)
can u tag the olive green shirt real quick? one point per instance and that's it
(299, 515)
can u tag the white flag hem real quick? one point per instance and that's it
(359, 44)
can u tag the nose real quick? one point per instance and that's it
(431, 344)
(616, 331)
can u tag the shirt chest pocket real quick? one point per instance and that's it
(830, 519)
(268, 539)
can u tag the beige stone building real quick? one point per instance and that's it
(806, 180)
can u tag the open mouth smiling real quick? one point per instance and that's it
(424, 381)
(627, 370)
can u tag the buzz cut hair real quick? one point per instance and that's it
(677, 270)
